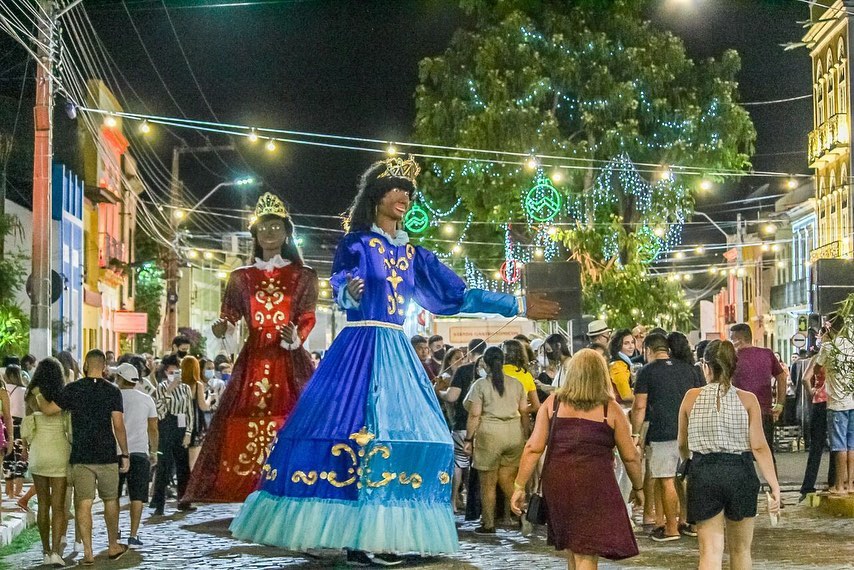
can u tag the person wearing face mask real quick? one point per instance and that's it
(214, 386)
(365, 461)
(437, 352)
(176, 410)
(555, 351)
(181, 346)
(276, 298)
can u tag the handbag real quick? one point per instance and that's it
(537, 509)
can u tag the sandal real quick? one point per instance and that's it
(24, 507)
(124, 551)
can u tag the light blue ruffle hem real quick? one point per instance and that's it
(302, 523)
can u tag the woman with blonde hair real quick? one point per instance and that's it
(586, 513)
(720, 429)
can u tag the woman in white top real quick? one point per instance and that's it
(15, 463)
(720, 428)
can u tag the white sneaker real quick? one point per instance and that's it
(47, 559)
(57, 561)
(78, 547)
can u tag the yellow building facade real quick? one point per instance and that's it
(829, 142)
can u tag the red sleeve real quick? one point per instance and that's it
(305, 303)
(234, 301)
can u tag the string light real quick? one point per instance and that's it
(179, 214)
(271, 145)
(391, 151)
(448, 229)
(557, 176)
(769, 229)
(765, 247)
(781, 264)
(706, 185)
(253, 136)
(144, 127)
(208, 255)
(192, 254)
(679, 255)
(792, 183)
(221, 274)
(699, 250)
(110, 121)
(532, 163)
(457, 249)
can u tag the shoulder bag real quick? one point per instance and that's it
(537, 510)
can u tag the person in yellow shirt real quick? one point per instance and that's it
(516, 366)
(622, 346)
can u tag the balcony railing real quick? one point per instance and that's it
(109, 248)
(829, 137)
(788, 295)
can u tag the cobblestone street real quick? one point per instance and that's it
(806, 538)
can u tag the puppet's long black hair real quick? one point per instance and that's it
(363, 211)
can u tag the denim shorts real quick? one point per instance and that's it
(841, 430)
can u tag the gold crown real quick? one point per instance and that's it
(268, 205)
(400, 168)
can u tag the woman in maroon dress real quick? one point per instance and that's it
(276, 296)
(586, 512)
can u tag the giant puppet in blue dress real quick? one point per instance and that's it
(365, 461)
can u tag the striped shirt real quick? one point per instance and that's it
(718, 430)
(178, 401)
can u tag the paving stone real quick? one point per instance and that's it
(806, 539)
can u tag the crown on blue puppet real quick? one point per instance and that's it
(268, 205)
(397, 167)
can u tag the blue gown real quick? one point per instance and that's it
(365, 460)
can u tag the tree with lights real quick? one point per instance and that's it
(603, 101)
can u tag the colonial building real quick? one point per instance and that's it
(829, 143)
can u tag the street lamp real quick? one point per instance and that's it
(238, 182)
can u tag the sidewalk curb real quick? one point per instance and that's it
(12, 524)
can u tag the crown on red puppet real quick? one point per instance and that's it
(268, 205)
(401, 168)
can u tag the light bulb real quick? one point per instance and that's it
(706, 185)
(497, 275)
(775, 247)
(457, 248)
(208, 255)
(110, 121)
(538, 252)
(271, 146)
(192, 254)
(221, 274)
(145, 128)
(448, 229)
(532, 163)
(659, 232)
(699, 250)
(552, 231)
(792, 183)
(781, 264)
(178, 214)
(253, 136)
(712, 270)
(391, 151)
(765, 247)
(557, 176)
(679, 255)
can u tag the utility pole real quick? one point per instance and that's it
(172, 277)
(40, 324)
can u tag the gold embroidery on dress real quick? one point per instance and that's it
(271, 474)
(356, 474)
(261, 435)
(444, 478)
(262, 392)
(415, 480)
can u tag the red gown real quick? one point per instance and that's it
(265, 382)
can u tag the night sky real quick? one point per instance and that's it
(350, 67)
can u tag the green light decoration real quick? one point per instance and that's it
(542, 202)
(416, 220)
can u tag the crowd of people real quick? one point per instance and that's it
(636, 425)
(365, 444)
(129, 425)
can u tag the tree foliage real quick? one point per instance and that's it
(585, 82)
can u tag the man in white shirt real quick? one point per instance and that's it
(837, 359)
(142, 435)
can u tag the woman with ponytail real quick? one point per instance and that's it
(496, 428)
(720, 429)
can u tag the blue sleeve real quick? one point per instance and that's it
(441, 291)
(349, 262)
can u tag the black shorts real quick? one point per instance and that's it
(137, 477)
(722, 482)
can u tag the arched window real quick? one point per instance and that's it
(842, 78)
(819, 104)
(830, 86)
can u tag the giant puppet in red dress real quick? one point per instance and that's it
(276, 296)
